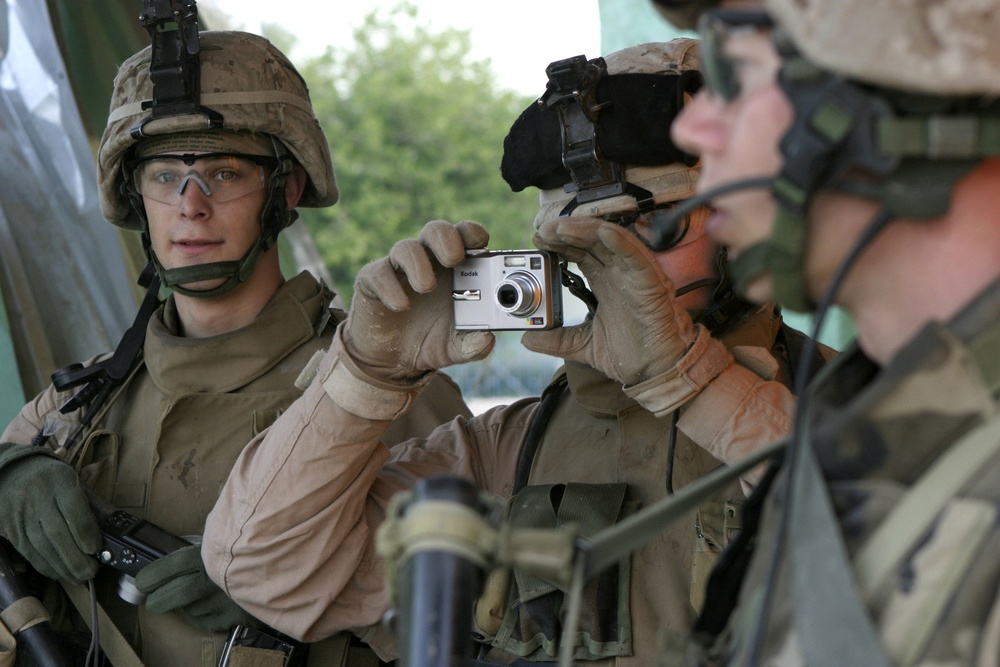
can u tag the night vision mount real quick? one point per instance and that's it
(175, 65)
(572, 91)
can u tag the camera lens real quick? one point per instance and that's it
(128, 591)
(519, 294)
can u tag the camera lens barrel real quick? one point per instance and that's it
(519, 294)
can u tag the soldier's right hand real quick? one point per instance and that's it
(401, 324)
(44, 513)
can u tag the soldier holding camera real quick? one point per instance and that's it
(209, 181)
(703, 383)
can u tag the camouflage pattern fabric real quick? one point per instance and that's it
(875, 433)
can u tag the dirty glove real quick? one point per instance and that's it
(637, 331)
(178, 581)
(401, 324)
(45, 514)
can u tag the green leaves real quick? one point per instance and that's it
(416, 130)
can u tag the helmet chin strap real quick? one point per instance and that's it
(235, 272)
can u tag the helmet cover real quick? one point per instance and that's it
(250, 83)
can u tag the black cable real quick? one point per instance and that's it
(93, 651)
(802, 377)
(671, 449)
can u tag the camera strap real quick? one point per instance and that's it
(111, 639)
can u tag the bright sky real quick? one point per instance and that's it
(520, 37)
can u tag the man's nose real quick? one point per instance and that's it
(196, 178)
(694, 130)
(194, 201)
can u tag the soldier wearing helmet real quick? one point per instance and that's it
(209, 186)
(849, 150)
(700, 395)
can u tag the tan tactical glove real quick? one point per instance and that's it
(637, 331)
(401, 325)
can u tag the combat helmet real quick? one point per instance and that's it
(895, 116)
(597, 143)
(247, 87)
(683, 13)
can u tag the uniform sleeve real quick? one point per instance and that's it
(42, 410)
(292, 536)
(32, 416)
(730, 403)
(439, 402)
(742, 409)
(29, 420)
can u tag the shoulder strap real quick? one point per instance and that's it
(795, 343)
(546, 406)
(913, 515)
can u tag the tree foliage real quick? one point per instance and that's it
(416, 129)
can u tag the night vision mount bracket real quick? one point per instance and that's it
(572, 91)
(175, 66)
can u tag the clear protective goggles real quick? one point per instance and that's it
(721, 72)
(221, 176)
(645, 225)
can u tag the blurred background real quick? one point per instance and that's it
(415, 100)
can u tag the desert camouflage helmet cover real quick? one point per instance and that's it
(947, 47)
(683, 13)
(250, 83)
(667, 183)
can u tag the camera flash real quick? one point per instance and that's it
(516, 261)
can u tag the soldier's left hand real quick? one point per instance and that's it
(637, 331)
(178, 581)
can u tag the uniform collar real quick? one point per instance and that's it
(222, 363)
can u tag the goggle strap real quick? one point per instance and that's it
(940, 137)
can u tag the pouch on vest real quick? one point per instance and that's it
(97, 464)
(532, 620)
(718, 523)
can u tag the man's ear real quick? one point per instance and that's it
(295, 185)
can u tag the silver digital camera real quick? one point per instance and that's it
(508, 290)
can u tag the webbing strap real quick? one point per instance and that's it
(913, 515)
(215, 99)
(940, 137)
(24, 613)
(112, 640)
(832, 624)
(331, 652)
(617, 542)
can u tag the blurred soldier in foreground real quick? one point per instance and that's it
(849, 150)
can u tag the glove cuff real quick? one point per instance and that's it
(11, 452)
(352, 389)
(703, 362)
